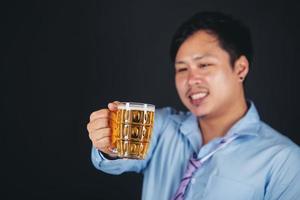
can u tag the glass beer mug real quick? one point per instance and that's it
(131, 125)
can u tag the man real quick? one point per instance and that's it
(220, 149)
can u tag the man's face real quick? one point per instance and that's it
(206, 82)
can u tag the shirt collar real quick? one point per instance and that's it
(248, 125)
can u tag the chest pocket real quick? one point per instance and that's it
(220, 188)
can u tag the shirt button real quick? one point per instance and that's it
(193, 180)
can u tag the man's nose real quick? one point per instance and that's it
(194, 78)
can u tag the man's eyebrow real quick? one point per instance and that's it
(204, 56)
(179, 62)
(196, 58)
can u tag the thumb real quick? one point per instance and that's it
(113, 106)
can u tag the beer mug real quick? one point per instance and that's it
(131, 125)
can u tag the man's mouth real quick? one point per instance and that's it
(198, 95)
(197, 98)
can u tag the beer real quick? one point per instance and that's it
(132, 126)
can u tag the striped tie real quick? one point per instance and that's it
(191, 168)
(194, 164)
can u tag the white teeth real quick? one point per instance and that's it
(199, 95)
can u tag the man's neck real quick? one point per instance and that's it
(218, 126)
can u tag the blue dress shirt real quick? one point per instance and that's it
(260, 164)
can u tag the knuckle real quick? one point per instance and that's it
(92, 116)
(99, 113)
(90, 136)
(88, 127)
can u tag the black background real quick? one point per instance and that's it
(61, 60)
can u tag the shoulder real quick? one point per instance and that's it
(283, 176)
(286, 165)
(274, 137)
(286, 151)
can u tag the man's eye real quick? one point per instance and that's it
(204, 65)
(181, 69)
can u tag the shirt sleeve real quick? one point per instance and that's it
(284, 182)
(119, 166)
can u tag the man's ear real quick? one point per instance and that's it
(241, 68)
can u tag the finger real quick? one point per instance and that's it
(97, 124)
(99, 134)
(99, 113)
(113, 106)
(102, 144)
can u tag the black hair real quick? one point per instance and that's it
(233, 36)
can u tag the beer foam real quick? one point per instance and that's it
(136, 106)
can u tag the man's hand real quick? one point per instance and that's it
(99, 129)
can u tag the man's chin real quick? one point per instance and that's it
(199, 112)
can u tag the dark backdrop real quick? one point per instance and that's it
(62, 60)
